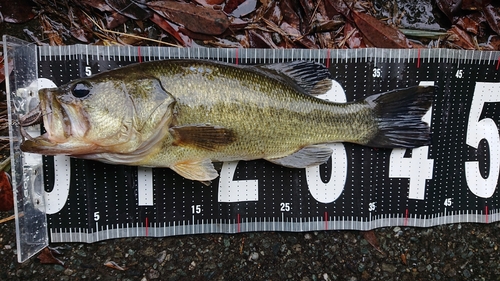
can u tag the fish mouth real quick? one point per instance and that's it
(62, 124)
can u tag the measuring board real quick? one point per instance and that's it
(453, 180)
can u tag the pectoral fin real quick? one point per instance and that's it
(202, 136)
(308, 156)
(200, 170)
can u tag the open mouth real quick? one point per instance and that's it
(55, 120)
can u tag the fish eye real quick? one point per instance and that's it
(81, 90)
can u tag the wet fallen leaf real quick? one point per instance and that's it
(6, 195)
(231, 5)
(114, 265)
(239, 8)
(340, 7)
(55, 38)
(290, 30)
(115, 19)
(492, 15)
(260, 40)
(2, 68)
(326, 26)
(195, 18)
(81, 25)
(16, 12)
(474, 5)
(352, 37)
(460, 38)
(449, 7)
(373, 240)
(493, 43)
(289, 15)
(207, 3)
(378, 33)
(194, 35)
(98, 4)
(46, 256)
(403, 258)
(273, 13)
(308, 7)
(237, 24)
(468, 24)
(163, 24)
(131, 9)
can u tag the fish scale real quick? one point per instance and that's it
(360, 188)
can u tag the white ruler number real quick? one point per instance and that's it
(330, 191)
(418, 168)
(478, 130)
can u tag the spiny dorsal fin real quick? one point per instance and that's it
(310, 77)
(202, 136)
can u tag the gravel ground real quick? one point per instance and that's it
(446, 252)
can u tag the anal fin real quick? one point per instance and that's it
(308, 156)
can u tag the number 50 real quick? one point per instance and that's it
(478, 130)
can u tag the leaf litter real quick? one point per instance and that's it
(263, 23)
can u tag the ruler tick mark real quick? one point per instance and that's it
(418, 59)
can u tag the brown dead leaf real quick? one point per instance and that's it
(195, 18)
(352, 37)
(493, 43)
(131, 9)
(163, 24)
(81, 26)
(46, 256)
(16, 11)
(114, 265)
(474, 5)
(6, 195)
(340, 7)
(404, 259)
(274, 13)
(492, 15)
(260, 40)
(380, 34)
(208, 3)
(2, 68)
(239, 8)
(98, 4)
(461, 38)
(373, 240)
(289, 15)
(468, 24)
(115, 19)
(55, 38)
(449, 7)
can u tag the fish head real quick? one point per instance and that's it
(102, 114)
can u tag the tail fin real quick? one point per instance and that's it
(399, 114)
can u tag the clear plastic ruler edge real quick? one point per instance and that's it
(29, 163)
(27, 173)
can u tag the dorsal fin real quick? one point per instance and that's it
(307, 76)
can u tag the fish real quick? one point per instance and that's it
(188, 114)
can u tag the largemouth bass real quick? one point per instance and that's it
(186, 114)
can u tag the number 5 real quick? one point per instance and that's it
(483, 129)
